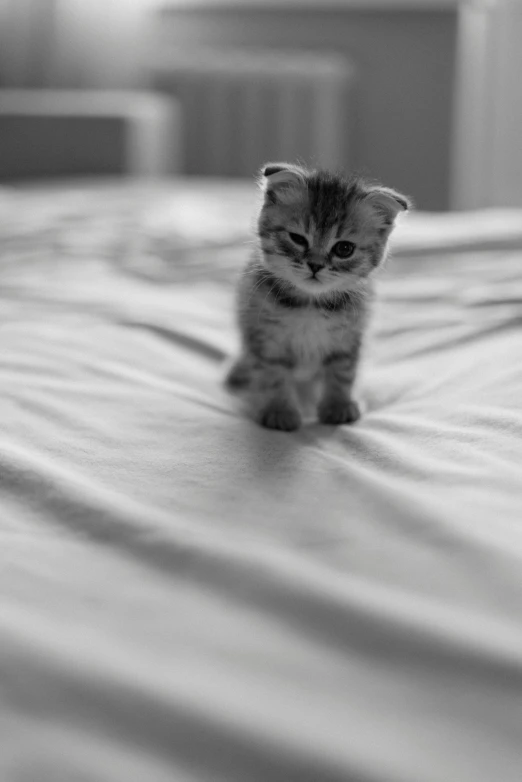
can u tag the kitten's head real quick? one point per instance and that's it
(320, 232)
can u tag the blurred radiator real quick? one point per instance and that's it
(241, 109)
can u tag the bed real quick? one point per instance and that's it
(187, 597)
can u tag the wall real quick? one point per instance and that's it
(406, 68)
(26, 42)
(73, 43)
(101, 43)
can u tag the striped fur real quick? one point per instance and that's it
(304, 296)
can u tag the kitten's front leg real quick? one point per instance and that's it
(273, 396)
(239, 374)
(336, 405)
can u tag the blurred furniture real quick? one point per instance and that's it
(244, 107)
(57, 133)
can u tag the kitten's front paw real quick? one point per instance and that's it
(238, 376)
(338, 411)
(280, 415)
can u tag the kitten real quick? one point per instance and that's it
(304, 296)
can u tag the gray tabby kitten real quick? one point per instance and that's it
(304, 296)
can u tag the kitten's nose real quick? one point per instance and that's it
(315, 267)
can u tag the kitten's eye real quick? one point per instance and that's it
(301, 241)
(343, 249)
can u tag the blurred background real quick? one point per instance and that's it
(424, 95)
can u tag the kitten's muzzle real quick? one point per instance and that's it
(315, 267)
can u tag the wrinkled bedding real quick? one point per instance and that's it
(185, 597)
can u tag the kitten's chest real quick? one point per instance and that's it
(308, 336)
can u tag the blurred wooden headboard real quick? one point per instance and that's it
(57, 133)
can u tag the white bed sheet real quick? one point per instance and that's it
(187, 597)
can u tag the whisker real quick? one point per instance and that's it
(264, 300)
(256, 287)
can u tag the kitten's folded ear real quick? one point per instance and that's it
(281, 181)
(280, 171)
(388, 202)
